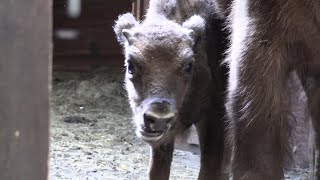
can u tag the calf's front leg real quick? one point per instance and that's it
(160, 161)
(211, 138)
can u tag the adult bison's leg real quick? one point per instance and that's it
(312, 86)
(211, 138)
(314, 108)
(160, 161)
(256, 106)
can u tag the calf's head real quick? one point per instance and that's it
(160, 66)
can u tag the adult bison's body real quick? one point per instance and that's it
(173, 80)
(269, 40)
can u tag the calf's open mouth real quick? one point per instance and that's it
(151, 135)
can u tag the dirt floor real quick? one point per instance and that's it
(92, 136)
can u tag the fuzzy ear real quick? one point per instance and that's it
(123, 25)
(196, 25)
(127, 34)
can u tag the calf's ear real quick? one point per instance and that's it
(123, 26)
(196, 25)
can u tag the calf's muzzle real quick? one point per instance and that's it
(159, 116)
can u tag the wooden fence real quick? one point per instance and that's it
(25, 56)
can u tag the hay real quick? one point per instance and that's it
(101, 89)
(101, 143)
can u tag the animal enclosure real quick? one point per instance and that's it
(75, 122)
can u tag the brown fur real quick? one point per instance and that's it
(281, 36)
(160, 46)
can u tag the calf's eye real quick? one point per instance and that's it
(189, 67)
(131, 68)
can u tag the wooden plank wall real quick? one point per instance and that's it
(139, 8)
(96, 43)
(25, 52)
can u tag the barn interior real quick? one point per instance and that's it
(91, 135)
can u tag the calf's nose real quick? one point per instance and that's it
(154, 123)
(159, 116)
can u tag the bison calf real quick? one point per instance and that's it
(171, 84)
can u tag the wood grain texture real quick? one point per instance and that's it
(95, 44)
(25, 57)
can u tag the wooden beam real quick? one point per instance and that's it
(139, 8)
(25, 58)
(145, 6)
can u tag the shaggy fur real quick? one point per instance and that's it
(172, 36)
(269, 40)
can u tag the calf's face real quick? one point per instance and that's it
(160, 66)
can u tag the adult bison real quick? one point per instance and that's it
(269, 40)
(173, 80)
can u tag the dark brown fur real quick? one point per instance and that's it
(198, 97)
(281, 36)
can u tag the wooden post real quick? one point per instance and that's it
(139, 8)
(25, 66)
(145, 6)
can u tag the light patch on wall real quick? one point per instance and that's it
(67, 34)
(74, 8)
